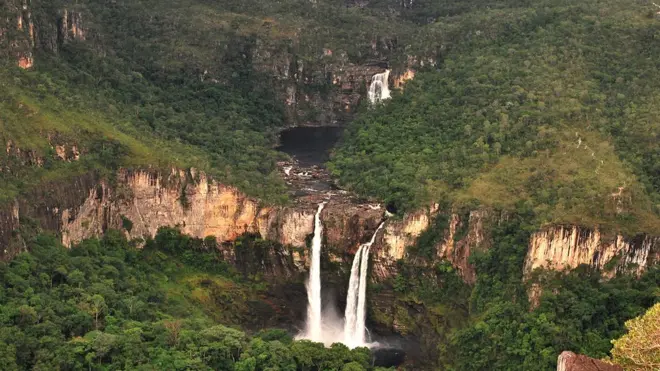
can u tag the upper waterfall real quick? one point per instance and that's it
(379, 89)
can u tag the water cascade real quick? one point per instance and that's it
(379, 89)
(314, 319)
(326, 327)
(355, 315)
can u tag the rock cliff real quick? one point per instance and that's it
(138, 202)
(465, 234)
(326, 88)
(566, 247)
(30, 27)
(141, 201)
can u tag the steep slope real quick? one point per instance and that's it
(219, 78)
(527, 141)
(547, 108)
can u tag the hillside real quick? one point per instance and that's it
(549, 108)
(502, 207)
(183, 83)
(106, 305)
(508, 112)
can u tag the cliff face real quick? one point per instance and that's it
(326, 88)
(30, 26)
(139, 202)
(397, 235)
(464, 235)
(561, 248)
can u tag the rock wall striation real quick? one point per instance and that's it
(566, 247)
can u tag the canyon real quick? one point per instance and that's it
(138, 202)
(360, 247)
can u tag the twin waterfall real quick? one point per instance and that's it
(325, 329)
(379, 89)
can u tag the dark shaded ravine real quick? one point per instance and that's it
(310, 145)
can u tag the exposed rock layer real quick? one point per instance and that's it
(566, 247)
(140, 202)
(569, 361)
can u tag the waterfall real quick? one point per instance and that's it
(379, 89)
(356, 300)
(314, 320)
(361, 315)
(352, 298)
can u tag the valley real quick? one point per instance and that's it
(328, 185)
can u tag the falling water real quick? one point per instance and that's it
(355, 315)
(351, 299)
(314, 320)
(379, 89)
(362, 302)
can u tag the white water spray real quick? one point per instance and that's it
(379, 89)
(355, 315)
(350, 315)
(314, 319)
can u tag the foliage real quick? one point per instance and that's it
(517, 113)
(106, 305)
(492, 325)
(187, 83)
(639, 348)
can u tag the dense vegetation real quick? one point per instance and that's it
(494, 326)
(640, 348)
(544, 108)
(187, 83)
(174, 305)
(550, 104)
(178, 304)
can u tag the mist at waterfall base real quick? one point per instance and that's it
(325, 325)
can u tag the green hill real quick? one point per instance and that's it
(544, 109)
(548, 107)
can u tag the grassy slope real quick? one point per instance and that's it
(502, 120)
(135, 82)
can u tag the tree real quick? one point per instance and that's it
(97, 307)
(639, 349)
(353, 366)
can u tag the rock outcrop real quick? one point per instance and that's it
(29, 32)
(566, 247)
(397, 235)
(325, 90)
(140, 202)
(569, 361)
(464, 235)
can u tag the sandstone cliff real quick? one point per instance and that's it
(566, 247)
(33, 26)
(139, 202)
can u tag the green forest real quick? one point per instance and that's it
(178, 304)
(546, 111)
(173, 305)
(493, 324)
(550, 106)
